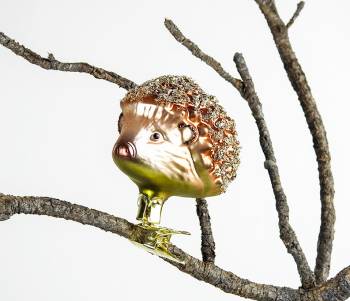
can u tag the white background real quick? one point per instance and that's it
(57, 131)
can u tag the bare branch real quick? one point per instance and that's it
(337, 288)
(208, 272)
(296, 14)
(208, 243)
(246, 89)
(299, 82)
(51, 63)
(177, 34)
(287, 233)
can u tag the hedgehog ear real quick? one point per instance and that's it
(188, 133)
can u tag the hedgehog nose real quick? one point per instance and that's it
(125, 150)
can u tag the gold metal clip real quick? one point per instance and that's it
(157, 239)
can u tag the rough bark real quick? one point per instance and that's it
(336, 289)
(287, 233)
(50, 63)
(197, 52)
(208, 243)
(299, 82)
(208, 272)
(296, 14)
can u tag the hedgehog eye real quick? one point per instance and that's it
(156, 137)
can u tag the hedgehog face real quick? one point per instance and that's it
(153, 149)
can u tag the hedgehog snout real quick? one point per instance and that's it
(126, 150)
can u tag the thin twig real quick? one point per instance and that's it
(287, 233)
(337, 288)
(51, 63)
(247, 91)
(208, 243)
(299, 82)
(296, 14)
(177, 34)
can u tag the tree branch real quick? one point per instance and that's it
(208, 272)
(287, 233)
(197, 52)
(208, 243)
(51, 63)
(299, 82)
(246, 89)
(296, 14)
(337, 288)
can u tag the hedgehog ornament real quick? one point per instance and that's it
(175, 140)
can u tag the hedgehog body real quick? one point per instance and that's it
(176, 140)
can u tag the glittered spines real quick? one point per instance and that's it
(216, 140)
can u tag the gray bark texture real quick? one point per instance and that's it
(50, 63)
(208, 243)
(337, 288)
(313, 118)
(315, 285)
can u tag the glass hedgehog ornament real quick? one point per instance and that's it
(175, 140)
